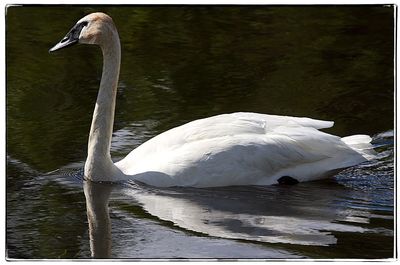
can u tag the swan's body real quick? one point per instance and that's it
(241, 149)
(228, 149)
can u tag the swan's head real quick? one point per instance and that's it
(95, 28)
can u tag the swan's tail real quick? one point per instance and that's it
(361, 144)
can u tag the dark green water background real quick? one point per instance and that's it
(180, 63)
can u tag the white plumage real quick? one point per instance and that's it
(228, 149)
(243, 149)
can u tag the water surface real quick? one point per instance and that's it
(179, 64)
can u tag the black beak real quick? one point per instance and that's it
(71, 38)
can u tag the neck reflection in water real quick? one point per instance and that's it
(97, 198)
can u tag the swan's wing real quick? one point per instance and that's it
(226, 125)
(246, 159)
(246, 144)
(276, 120)
(244, 123)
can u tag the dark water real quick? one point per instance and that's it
(180, 64)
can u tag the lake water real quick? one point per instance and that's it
(180, 63)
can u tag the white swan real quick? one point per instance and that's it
(228, 149)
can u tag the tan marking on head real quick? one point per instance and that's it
(100, 28)
(98, 16)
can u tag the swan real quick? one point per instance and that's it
(229, 149)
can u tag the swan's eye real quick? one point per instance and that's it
(78, 28)
(74, 33)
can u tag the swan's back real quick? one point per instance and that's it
(240, 149)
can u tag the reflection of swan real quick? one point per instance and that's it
(229, 149)
(269, 214)
(97, 197)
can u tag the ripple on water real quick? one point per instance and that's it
(269, 221)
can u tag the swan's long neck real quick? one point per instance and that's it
(99, 165)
